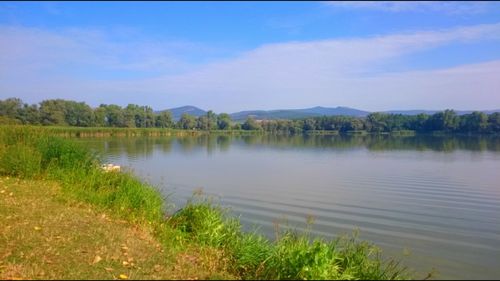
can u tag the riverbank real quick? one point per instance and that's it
(46, 234)
(36, 155)
(69, 131)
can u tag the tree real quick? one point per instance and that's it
(99, 116)
(11, 107)
(417, 123)
(186, 122)
(474, 122)
(224, 121)
(494, 122)
(53, 112)
(211, 120)
(115, 116)
(446, 120)
(77, 114)
(164, 119)
(251, 124)
(202, 123)
(377, 122)
(309, 124)
(132, 116)
(30, 114)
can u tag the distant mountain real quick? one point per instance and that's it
(304, 113)
(189, 109)
(430, 112)
(297, 113)
(411, 112)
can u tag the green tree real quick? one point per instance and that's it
(211, 120)
(11, 107)
(115, 116)
(251, 124)
(224, 121)
(164, 119)
(99, 116)
(494, 122)
(202, 123)
(53, 112)
(377, 122)
(309, 124)
(186, 122)
(30, 114)
(77, 114)
(446, 121)
(474, 122)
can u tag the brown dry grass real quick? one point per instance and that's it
(46, 235)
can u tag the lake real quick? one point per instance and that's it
(432, 201)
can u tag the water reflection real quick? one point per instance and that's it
(145, 146)
(435, 195)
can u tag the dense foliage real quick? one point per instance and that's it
(70, 113)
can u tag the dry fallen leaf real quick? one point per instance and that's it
(97, 259)
(108, 269)
(123, 276)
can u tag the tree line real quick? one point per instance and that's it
(445, 121)
(59, 112)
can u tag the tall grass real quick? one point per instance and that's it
(29, 152)
(292, 256)
(33, 152)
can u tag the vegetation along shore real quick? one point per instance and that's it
(64, 113)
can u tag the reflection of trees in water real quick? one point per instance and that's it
(379, 142)
(209, 142)
(435, 143)
(144, 146)
(134, 146)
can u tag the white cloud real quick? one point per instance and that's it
(447, 7)
(37, 49)
(350, 72)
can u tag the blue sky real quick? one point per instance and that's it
(230, 56)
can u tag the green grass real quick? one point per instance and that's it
(68, 131)
(292, 256)
(33, 152)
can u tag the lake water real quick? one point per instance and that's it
(432, 201)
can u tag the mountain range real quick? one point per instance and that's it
(303, 113)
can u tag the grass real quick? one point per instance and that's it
(199, 241)
(68, 131)
(47, 235)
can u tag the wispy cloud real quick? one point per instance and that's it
(37, 49)
(447, 7)
(352, 72)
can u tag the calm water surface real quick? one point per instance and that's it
(433, 201)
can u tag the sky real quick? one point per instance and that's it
(232, 56)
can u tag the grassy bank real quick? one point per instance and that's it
(46, 234)
(36, 155)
